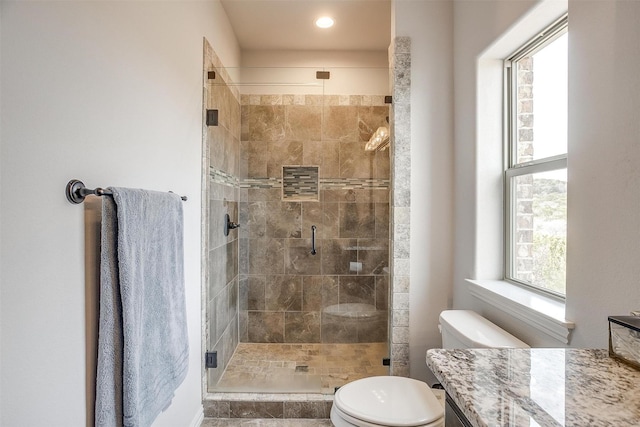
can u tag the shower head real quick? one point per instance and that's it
(379, 140)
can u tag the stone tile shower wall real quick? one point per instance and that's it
(400, 78)
(221, 186)
(284, 290)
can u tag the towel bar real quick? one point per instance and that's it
(76, 192)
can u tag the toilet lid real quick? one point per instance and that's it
(389, 401)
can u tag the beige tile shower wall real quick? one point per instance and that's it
(222, 154)
(284, 290)
(325, 131)
(400, 61)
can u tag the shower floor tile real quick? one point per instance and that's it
(300, 368)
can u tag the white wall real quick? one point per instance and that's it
(110, 93)
(476, 26)
(603, 253)
(363, 72)
(429, 24)
(485, 33)
(604, 153)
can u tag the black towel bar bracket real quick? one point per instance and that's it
(76, 192)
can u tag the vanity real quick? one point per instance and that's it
(544, 387)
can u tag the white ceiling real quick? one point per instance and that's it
(289, 24)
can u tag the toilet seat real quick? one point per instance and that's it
(387, 401)
(340, 419)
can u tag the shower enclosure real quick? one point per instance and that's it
(298, 295)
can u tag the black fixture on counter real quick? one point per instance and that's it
(624, 339)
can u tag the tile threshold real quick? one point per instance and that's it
(266, 422)
(268, 397)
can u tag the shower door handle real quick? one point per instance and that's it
(313, 240)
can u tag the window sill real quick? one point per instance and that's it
(543, 313)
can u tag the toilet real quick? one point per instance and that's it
(398, 401)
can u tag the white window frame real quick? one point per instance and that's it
(511, 168)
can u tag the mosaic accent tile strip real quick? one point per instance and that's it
(261, 183)
(353, 183)
(221, 177)
(324, 183)
(300, 183)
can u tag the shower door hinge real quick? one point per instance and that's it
(388, 99)
(386, 362)
(211, 359)
(212, 117)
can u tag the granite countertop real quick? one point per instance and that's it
(539, 387)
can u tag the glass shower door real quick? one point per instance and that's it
(305, 322)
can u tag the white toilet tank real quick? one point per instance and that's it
(467, 329)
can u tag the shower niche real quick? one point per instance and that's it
(300, 184)
(289, 154)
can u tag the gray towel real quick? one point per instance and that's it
(143, 344)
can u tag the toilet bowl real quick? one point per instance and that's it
(386, 401)
(398, 401)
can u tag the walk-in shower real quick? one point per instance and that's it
(298, 295)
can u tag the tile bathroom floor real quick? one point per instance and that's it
(300, 368)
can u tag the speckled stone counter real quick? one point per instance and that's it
(539, 387)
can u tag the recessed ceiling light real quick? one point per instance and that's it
(324, 22)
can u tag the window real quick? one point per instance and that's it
(536, 162)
